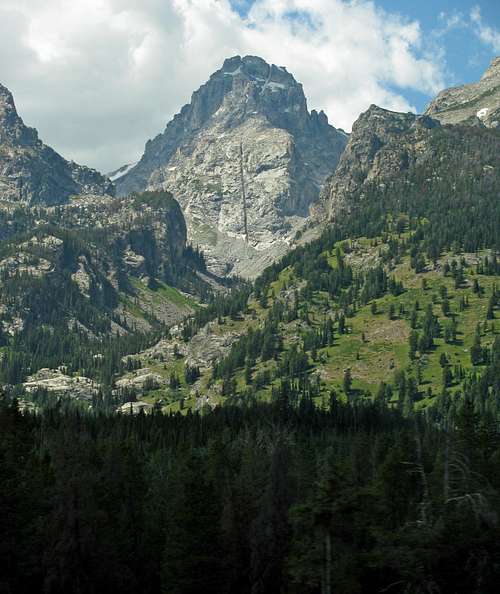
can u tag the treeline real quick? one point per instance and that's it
(259, 498)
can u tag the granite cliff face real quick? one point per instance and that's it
(251, 117)
(383, 144)
(475, 104)
(31, 172)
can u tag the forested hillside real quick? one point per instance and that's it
(397, 300)
(84, 283)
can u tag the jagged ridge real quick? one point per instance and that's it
(31, 172)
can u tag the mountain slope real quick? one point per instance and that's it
(383, 145)
(286, 154)
(31, 172)
(401, 289)
(388, 152)
(92, 280)
(356, 306)
(475, 104)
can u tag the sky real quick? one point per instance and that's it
(97, 78)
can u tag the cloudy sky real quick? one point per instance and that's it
(100, 77)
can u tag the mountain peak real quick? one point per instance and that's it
(247, 127)
(259, 71)
(381, 145)
(493, 69)
(12, 128)
(6, 98)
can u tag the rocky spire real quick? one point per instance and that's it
(12, 128)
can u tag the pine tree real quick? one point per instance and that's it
(490, 313)
(476, 351)
(413, 342)
(347, 381)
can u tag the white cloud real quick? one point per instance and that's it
(451, 22)
(488, 35)
(99, 77)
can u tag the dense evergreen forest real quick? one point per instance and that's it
(261, 498)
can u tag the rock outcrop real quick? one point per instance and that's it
(140, 381)
(31, 172)
(383, 144)
(475, 104)
(388, 148)
(245, 159)
(398, 152)
(58, 383)
(135, 408)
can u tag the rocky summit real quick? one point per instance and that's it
(477, 103)
(31, 172)
(245, 159)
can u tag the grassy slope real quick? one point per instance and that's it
(384, 348)
(149, 301)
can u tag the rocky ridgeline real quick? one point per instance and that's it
(249, 116)
(476, 104)
(31, 172)
(383, 144)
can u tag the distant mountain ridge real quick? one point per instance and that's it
(476, 104)
(31, 172)
(286, 154)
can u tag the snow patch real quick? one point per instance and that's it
(234, 73)
(122, 171)
(482, 113)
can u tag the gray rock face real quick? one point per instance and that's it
(135, 408)
(201, 351)
(382, 144)
(141, 381)
(286, 155)
(476, 104)
(31, 172)
(56, 382)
